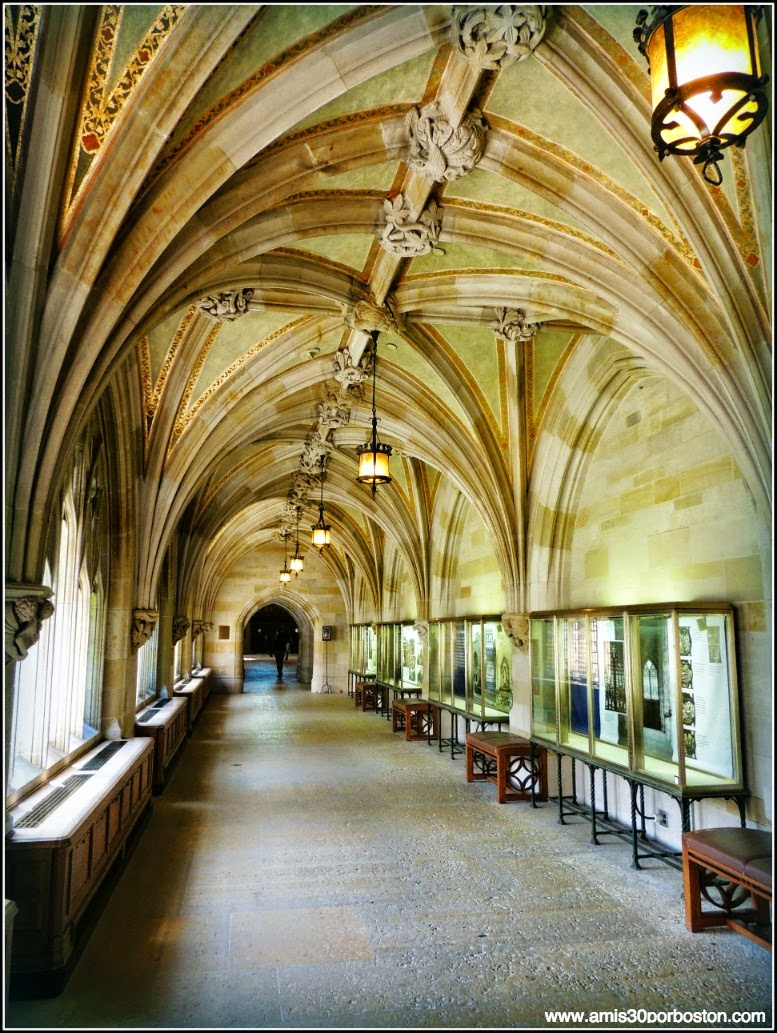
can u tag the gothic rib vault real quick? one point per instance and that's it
(249, 190)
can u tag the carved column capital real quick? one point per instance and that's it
(198, 627)
(180, 627)
(26, 608)
(516, 626)
(143, 624)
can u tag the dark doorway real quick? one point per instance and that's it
(262, 629)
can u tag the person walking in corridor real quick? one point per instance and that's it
(281, 651)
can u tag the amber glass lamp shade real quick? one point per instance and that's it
(374, 464)
(296, 563)
(321, 533)
(285, 575)
(707, 85)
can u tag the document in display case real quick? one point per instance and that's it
(651, 690)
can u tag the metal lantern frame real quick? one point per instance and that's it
(374, 456)
(749, 102)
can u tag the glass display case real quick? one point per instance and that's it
(649, 690)
(364, 649)
(470, 666)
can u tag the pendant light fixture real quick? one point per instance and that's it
(373, 456)
(707, 84)
(321, 535)
(285, 574)
(296, 563)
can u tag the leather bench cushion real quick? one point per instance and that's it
(733, 847)
(760, 870)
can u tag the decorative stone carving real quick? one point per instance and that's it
(229, 305)
(440, 150)
(422, 630)
(516, 626)
(408, 237)
(180, 627)
(496, 37)
(26, 608)
(143, 624)
(332, 415)
(344, 370)
(367, 316)
(512, 326)
(200, 627)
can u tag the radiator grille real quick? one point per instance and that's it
(151, 712)
(42, 810)
(104, 755)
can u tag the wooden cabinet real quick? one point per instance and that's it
(59, 855)
(166, 722)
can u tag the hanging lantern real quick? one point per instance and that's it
(285, 574)
(706, 79)
(296, 563)
(374, 456)
(321, 531)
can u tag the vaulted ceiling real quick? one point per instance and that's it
(238, 195)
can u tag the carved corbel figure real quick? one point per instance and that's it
(26, 608)
(422, 630)
(516, 626)
(498, 36)
(511, 325)
(180, 627)
(143, 624)
(201, 627)
(440, 150)
(228, 306)
(408, 237)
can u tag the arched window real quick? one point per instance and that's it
(58, 686)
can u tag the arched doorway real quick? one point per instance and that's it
(262, 627)
(268, 625)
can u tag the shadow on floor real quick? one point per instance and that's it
(261, 675)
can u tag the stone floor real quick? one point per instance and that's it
(307, 868)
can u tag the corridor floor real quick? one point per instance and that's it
(307, 868)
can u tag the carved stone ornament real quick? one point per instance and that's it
(367, 316)
(516, 626)
(198, 627)
(180, 627)
(143, 624)
(332, 415)
(422, 630)
(512, 326)
(344, 370)
(408, 237)
(26, 608)
(228, 306)
(438, 149)
(496, 37)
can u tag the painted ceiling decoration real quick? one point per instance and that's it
(254, 189)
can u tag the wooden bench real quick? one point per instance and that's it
(726, 867)
(506, 759)
(416, 716)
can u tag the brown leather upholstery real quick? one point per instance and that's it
(734, 848)
(760, 870)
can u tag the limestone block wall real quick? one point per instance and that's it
(466, 578)
(663, 515)
(313, 601)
